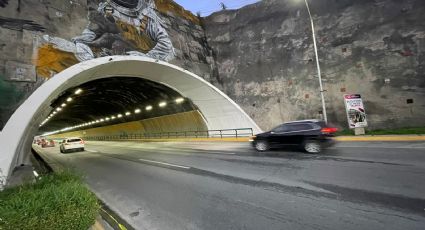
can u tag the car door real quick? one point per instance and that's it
(278, 135)
(297, 133)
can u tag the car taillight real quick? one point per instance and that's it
(81, 142)
(329, 130)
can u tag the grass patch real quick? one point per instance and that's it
(349, 132)
(53, 201)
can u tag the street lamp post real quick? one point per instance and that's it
(325, 117)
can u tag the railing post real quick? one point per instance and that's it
(236, 133)
(221, 134)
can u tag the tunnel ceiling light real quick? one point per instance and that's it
(127, 113)
(97, 121)
(54, 112)
(137, 111)
(163, 104)
(179, 100)
(149, 107)
(69, 99)
(113, 117)
(78, 91)
(63, 105)
(58, 109)
(102, 120)
(107, 119)
(119, 115)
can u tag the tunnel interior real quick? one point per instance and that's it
(112, 100)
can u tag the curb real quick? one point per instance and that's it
(387, 138)
(105, 213)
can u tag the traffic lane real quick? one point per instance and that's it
(409, 152)
(324, 172)
(397, 152)
(152, 197)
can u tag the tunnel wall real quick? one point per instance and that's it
(187, 121)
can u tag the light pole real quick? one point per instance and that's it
(325, 117)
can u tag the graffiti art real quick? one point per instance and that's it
(116, 27)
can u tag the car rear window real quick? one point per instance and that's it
(74, 140)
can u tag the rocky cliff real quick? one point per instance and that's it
(261, 55)
(25, 63)
(265, 58)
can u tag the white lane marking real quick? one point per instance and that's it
(225, 153)
(163, 163)
(35, 173)
(93, 151)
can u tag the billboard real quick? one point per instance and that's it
(356, 114)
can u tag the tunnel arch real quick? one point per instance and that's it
(220, 112)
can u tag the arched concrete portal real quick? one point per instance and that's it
(219, 110)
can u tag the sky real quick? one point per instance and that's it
(206, 7)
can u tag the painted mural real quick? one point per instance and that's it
(116, 27)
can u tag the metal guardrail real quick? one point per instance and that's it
(220, 133)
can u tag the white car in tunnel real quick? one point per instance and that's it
(72, 144)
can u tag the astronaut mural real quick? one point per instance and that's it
(117, 27)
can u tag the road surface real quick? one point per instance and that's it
(164, 186)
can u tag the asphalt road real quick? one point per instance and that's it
(225, 186)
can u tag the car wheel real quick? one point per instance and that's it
(82, 149)
(312, 146)
(261, 146)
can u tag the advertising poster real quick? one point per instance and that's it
(356, 115)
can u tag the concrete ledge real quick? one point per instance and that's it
(246, 139)
(382, 138)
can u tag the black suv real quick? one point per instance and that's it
(311, 135)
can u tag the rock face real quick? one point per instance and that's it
(266, 63)
(26, 61)
(261, 55)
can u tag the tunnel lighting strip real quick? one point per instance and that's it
(108, 118)
(58, 109)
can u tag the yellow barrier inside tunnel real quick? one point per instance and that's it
(187, 121)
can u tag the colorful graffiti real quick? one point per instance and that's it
(116, 27)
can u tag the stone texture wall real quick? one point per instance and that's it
(261, 55)
(265, 58)
(24, 22)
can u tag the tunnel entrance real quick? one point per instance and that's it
(121, 100)
(218, 110)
